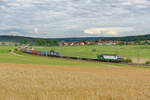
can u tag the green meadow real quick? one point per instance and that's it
(76, 51)
(7, 57)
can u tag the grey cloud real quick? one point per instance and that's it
(63, 18)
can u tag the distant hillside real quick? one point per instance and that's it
(15, 38)
(127, 38)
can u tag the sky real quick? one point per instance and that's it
(74, 18)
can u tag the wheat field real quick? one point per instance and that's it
(42, 82)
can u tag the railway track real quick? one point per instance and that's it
(92, 60)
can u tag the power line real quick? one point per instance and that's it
(138, 55)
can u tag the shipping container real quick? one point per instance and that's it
(28, 51)
(35, 52)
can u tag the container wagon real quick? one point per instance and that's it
(42, 53)
(28, 51)
(35, 52)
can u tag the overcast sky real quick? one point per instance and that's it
(74, 18)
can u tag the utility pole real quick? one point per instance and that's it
(138, 55)
(46, 49)
(62, 43)
(61, 50)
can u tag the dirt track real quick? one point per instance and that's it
(37, 82)
(13, 53)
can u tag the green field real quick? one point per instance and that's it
(80, 51)
(7, 57)
(87, 51)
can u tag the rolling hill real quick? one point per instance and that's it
(127, 38)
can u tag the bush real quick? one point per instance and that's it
(127, 60)
(93, 50)
(52, 50)
(9, 50)
(15, 49)
(16, 45)
(148, 62)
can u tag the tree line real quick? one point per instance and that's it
(39, 42)
(55, 42)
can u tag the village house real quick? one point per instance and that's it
(131, 43)
(87, 42)
(117, 42)
(81, 43)
(68, 43)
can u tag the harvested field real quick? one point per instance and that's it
(41, 82)
(142, 60)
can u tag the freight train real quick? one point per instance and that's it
(101, 57)
(41, 53)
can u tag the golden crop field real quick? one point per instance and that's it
(42, 82)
